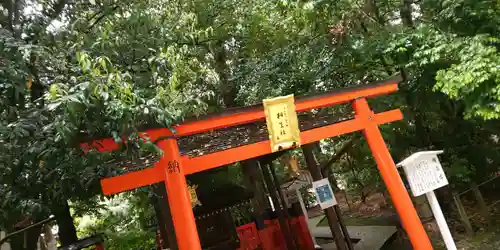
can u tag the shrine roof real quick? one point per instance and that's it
(235, 136)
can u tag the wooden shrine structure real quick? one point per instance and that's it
(180, 158)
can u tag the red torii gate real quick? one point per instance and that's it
(172, 167)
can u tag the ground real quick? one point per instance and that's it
(484, 240)
(375, 213)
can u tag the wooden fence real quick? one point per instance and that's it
(476, 206)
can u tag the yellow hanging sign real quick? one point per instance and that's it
(193, 196)
(29, 83)
(282, 122)
(294, 164)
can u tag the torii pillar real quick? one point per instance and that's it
(169, 169)
(183, 218)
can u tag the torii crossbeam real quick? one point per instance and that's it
(172, 167)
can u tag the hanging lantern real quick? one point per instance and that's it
(294, 164)
(193, 196)
(29, 82)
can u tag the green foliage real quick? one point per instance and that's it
(475, 78)
(471, 73)
(72, 71)
(125, 221)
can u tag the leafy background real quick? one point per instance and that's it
(74, 70)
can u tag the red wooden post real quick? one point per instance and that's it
(305, 234)
(393, 182)
(178, 196)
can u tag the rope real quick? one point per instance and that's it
(222, 210)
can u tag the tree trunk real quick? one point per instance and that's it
(326, 166)
(421, 130)
(165, 242)
(9, 6)
(341, 240)
(284, 203)
(67, 230)
(445, 198)
(356, 177)
(228, 91)
(285, 230)
(164, 217)
(252, 180)
(405, 11)
(372, 8)
(16, 16)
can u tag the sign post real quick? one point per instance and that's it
(425, 174)
(324, 193)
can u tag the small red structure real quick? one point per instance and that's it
(271, 236)
(172, 167)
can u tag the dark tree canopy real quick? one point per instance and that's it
(75, 70)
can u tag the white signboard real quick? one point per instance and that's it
(424, 172)
(324, 193)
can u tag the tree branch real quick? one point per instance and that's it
(325, 167)
(37, 87)
(16, 12)
(405, 11)
(267, 159)
(9, 5)
(58, 8)
(99, 19)
(384, 63)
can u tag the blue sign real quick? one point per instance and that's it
(324, 193)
